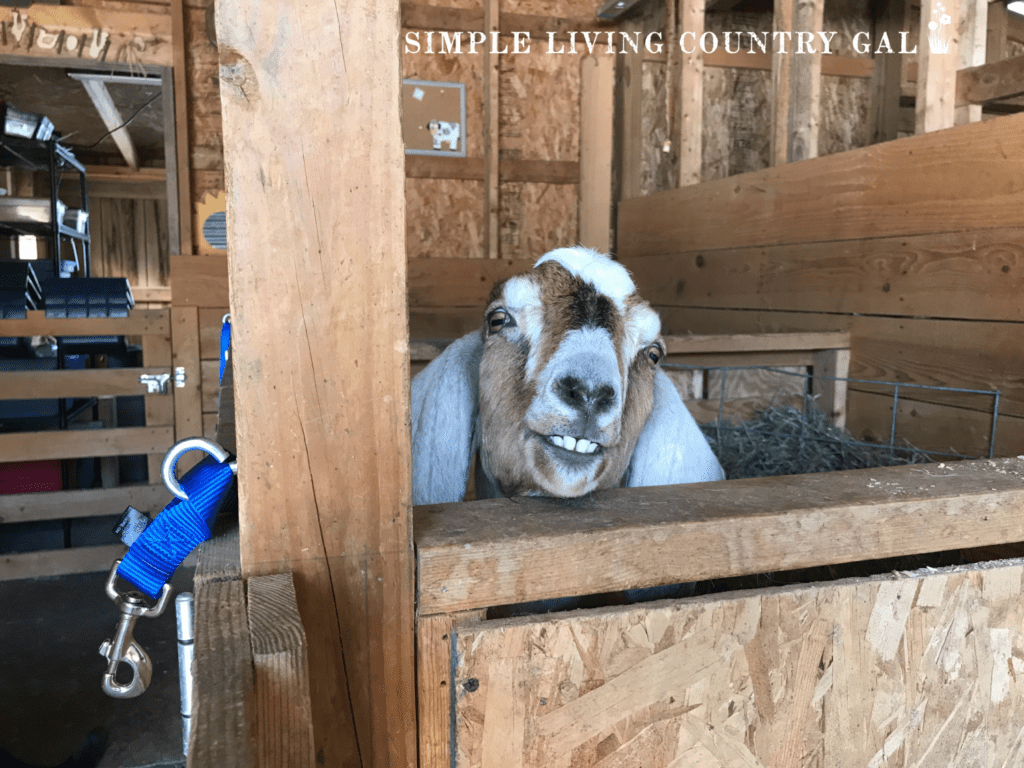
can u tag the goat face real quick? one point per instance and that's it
(566, 376)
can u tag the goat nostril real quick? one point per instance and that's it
(574, 392)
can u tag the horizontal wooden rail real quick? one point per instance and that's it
(90, 502)
(756, 342)
(91, 382)
(59, 562)
(472, 169)
(140, 322)
(501, 551)
(85, 443)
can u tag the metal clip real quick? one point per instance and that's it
(182, 447)
(156, 383)
(124, 649)
(179, 376)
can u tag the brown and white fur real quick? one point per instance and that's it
(560, 392)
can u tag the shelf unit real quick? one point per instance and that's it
(55, 160)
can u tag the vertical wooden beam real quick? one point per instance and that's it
(434, 681)
(182, 146)
(996, 42)
(884, 119)
(317, 266)
(156, 351)
(188, 404)
(492, 114)
(597, 111)
(936, 70)
(782, 22)
(630, 94)
(805, 80)
(170, 159)
(691, 94)
(830, 391)
(973, 38)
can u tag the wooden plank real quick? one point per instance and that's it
(782, 21)
(737, 409)
(936, 72)
(972, 33)
(996, 41)
(223, 693)
(210, 326)
(188, 420)
(850, 672)
(71, 35)
(492, 112)
(832, 65)
(140, 322)
(199, 281)
(90, 382)
(283, 714)
(971, 275)
(59, 562)
(800, 203)
(111, 117)
(458, 282)
(884, 114)
(597, 117)
(433, 683)
(830, 391)
(780, 358)
(629, 86)
(209, 375)
(989, 82)
(502, 551)
(326, 254)
(84, 443)
(1015, 27)
(434, 17)
(91, 502)
(472, 169)
(181, 127)
(152, 293)
(756, 342)
(171, 161)
(156, 351)
(691, 90)
(804, 101)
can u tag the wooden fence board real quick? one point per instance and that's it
(84, 443)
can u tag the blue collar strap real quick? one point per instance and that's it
(180, 528)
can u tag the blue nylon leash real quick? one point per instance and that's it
(225, 343)
(181, 527)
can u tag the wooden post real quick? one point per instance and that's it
(183, 171)
(597, 114)
(996, 43)
(936, 71)
(885, 77)
(630, 96)
(782, 21)
(973, 33)
(492, 112)
(691, 89)
(317, 267)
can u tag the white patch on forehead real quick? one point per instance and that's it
(609, 277)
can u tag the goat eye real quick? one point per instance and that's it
(497, 320)
(654, 353)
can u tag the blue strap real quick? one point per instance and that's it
(180, 528)
(225, 344)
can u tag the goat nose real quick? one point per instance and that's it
(585, 397)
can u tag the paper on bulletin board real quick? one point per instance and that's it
(434, 118)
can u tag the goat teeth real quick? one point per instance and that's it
(569, 443)
(582, 446)
(557, 440)
(593, 447)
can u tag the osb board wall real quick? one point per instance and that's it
(129, 239)
(917, 669)
(737, 113)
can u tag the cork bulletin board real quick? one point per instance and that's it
(434, 118)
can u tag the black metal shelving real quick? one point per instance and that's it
(55, 160)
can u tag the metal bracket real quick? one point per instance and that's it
(156, 383)
(179, 377)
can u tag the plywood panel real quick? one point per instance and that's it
(444, 218)
(535, 218)
(916, 669)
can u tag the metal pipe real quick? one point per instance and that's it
(184, 609)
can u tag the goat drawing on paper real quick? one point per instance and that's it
(559, 393)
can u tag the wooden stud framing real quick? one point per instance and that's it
(782, 64)
(796, 81)
(971, 51)
(492, 116)
(183, 170)
(998, 32)
(886, 74)
(629, 81)
(689, 141)
(936, 72)
(326, 251)
(597, 110)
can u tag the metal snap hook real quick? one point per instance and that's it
(182, 447)
(123, 648)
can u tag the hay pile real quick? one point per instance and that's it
(782, 440)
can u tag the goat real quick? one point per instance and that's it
(559, 392)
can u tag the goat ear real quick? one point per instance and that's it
(444, 416)
(671, 449)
